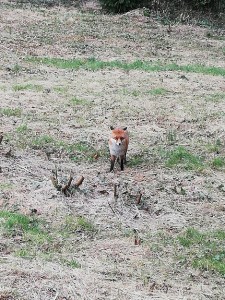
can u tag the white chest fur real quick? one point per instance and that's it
(117, 150)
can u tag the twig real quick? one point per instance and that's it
(137, 240)
(1, 137)
(54, 181)
(111, 207)
(138, 201)
(66, 187)
(115, 191)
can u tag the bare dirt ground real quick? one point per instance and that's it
(45, 110)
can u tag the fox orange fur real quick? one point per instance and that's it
(118, 145)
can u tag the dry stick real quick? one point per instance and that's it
(79, 182)
(137, 240)
(1, 137)
(115, 191)
(66, 187)
(54, 181)
(138, 201)
(54, 178)
(111, 207)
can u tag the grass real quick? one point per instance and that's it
(93, 64)
(157, 91)
(218, 162)
(215, 147)
(136, 160)
(16, 68)
(5, 186)
(60, 89)
(192, 248)
(76, 101)
(205, 250)
(171, 137)
(22, 128)
(79, 224)
(11, 112)
(28, 86)
(71, 263)
(18, 223)
(38, 239)
(77, 151)
(42, 140)
(180, 156)
(217, 97)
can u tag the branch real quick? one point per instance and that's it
(66, 187)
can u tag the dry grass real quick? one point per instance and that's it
(59, 118)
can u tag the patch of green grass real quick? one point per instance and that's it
(36, 239)
(182, 157)
(22, 128)
(218, 162)
(157, 92)
(60, 89)
(71, 263)
(24, 253)
(136, 160)
(215, 147)
(94, 65)
(5, 186)
(16, 222)
(42, 140)
(77, 101)
(204, 250)
(191, 236)
(135, 93)
(79, 224)
(214, 37)
(28, 86)
(3, 88)
(10, 112)
(158, 241)
(217, 97)
(16, 68)
(80, 150)
(171, 137)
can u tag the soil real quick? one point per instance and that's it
(118, 259)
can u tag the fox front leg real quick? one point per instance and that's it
(113, 159)
(122, 161)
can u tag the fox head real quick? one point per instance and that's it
(118, 134)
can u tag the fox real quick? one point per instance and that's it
(118, 145)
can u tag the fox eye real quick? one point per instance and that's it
(122, 138)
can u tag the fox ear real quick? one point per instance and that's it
(112, 128)
(124, 128)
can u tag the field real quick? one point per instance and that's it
(155, 230)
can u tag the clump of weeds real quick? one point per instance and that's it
(10, 112)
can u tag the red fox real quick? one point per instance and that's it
(118, 144)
